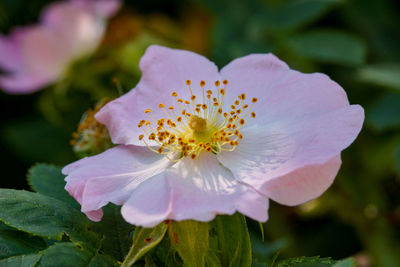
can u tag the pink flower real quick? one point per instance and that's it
(36, 56)
(257, 130)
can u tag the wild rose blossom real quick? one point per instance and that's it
(36, 56)
(196, 142)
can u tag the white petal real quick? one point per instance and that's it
(112, 175)
(193, 189)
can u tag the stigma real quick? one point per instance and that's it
(196, 124)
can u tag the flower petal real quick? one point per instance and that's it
(23, 83)
(106, 8)
(40, 45)
(164, 70)
(75, 28)
(302, 184)
(150, 203)
(10, 58)
(95, 215)
(281, 92)
(111, 176)
(275, 150)
(193, 189)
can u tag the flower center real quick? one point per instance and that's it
(194, 126)
(197, 124)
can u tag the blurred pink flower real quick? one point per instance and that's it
(196, 142)
(38, 55)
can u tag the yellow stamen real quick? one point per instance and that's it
(200, 126)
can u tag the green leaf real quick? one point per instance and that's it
(55, 146)
(397, 157)
(346, 263)
(149, 262)
(144, 239)
(385, 113)
(233, 240)
(116, 231)
(296, 13)
(263, 252)
(190, 239)
(382, 74)
(102, 261)
(329, 46)
(49, 181)
(68, 254)
(306, 262)
(44, 216)
(14, 242)
(28, 260)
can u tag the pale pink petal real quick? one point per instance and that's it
(43, 54)
(111, 176)
(101, 8)
(106, 8)
(275, 150)
(76, 29)
(23, 84)
(193, 189)
(164, 71)
(303, 184)
(95, 215)
(282, 93)
(10, 58)
(150, 203)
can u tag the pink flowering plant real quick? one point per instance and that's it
(195, 142)
(177, 171)
(38, 55)
(197, 149)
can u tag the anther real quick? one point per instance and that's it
(174, 94)
(253, 115)
(147, 111)
(202, 83)
(161, 105)
(217, 83)
(188, 82)
(225, 82)
(254, 100)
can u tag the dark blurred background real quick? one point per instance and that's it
(355, 42)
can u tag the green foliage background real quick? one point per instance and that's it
(355, 42)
